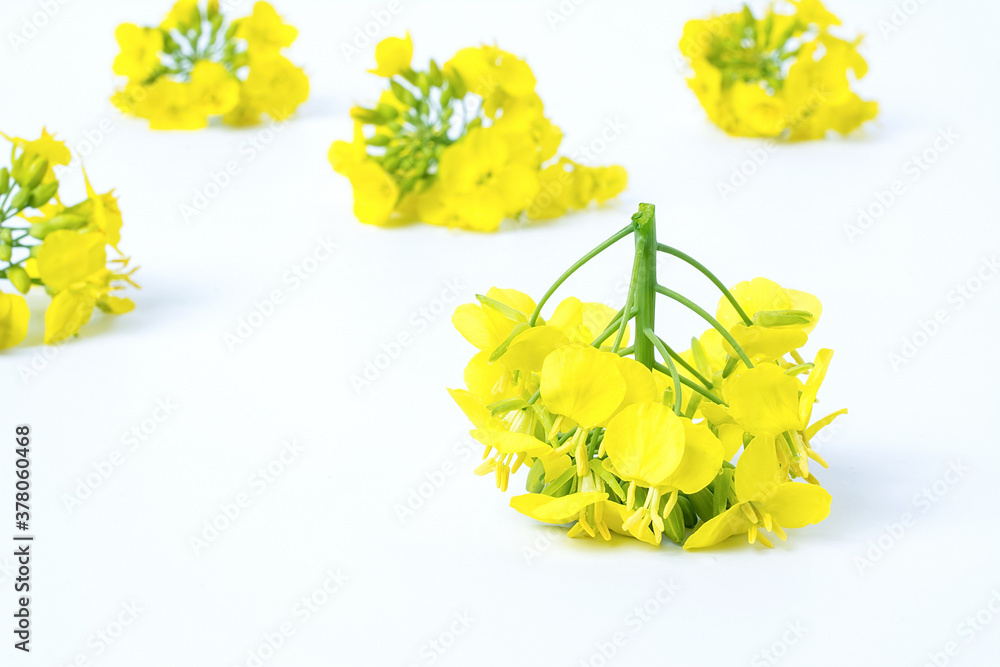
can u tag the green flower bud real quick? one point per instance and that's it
(458, 86)
(6, 236)
(780, 318)
(20, 200)
(386, 112)
(366, 116)
(4, 181)
(19, 278)
(18, 168)
(702, 503)
(5, 252)
(36, 173)
(402, 94)
(379, 140)
(536, 477)
(690, 517)
(445, 97)
(423, 83)
(673, 524)
(43, 194)
(435, 75)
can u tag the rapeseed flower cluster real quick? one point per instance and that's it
(465, 144)
(698, 445)
(61, 248)
(195, 66)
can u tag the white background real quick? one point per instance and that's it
(529, 594)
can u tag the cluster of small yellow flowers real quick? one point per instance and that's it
(463, 145)
(194, 66)
(617, 442)
(44, 242)
(784, 75)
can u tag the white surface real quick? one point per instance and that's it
(464, 551)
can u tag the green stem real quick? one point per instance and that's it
(708, 318)
(580, 262)
(611, 328)
(688, 367)
(659, 344)
(690, 385)
(645, 282)
(711, 276)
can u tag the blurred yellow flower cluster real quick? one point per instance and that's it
(464, 145)
(61, 248)
(195, 66)
(784, 75)
(617, 442)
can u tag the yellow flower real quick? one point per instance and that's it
(67, 257)
(14, 315)
(168, 105)
(782, 318)
(274, 86)
(493, 74)
(393, 56)
(375, 193)
(582, 384)
(213, 89)
(481, 181)
(487, 326)
(766, 501)
(764, 400)
(47, 148)
(140, 51)
(762, 114)
(182, 16)
(104, 214)
(264, 32)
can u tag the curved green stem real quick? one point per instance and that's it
(708, 318)
(691, 385)
(580, 262)
(659, 345)
(688, 367)
(708, 274)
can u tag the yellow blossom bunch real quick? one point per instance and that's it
(616, 441)
(465, 144)
(784, 75)
(195, 66)
(60, 248)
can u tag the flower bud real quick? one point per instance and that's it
(19, 278)
(5, 251)
(386, 112)
(43, 194)
(4, 181)
(402, 94)
(434, 76)
(379, 140)
(780, 318)
(20, 200)
(36, 173)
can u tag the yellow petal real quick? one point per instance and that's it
(582, 383)
(763, 400)
(645, 443)
(731, 436)
(794, 505)
(474, 409)
(719, 528)
(758, 473)
(507, 442)
(14, 315)
(764, 344)
(700, 463)
(825, 421)
(815, 379)
(808, 303)
(753, 296)
(555, 510)
(530, 347)
(640, 385)
(393, 56)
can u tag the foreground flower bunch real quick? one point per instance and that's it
(49, 244)
(195, 66)
(616, 441)
(783, 75)
(465, 145)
